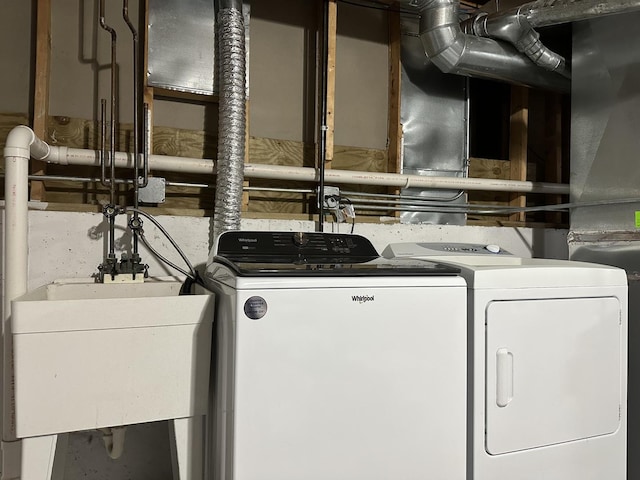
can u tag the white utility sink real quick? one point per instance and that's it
(93, 355)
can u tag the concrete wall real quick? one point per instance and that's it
(71, 245)
(64, 244)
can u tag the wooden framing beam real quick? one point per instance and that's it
(553, 154)
(518, 145)
(247, 141)
(332, 40)
(41, 88)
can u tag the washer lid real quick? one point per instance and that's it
(377, 267)
(311, 253)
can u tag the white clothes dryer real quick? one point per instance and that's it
(548, 363)
(325, 369)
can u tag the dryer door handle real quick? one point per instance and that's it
(504, 377)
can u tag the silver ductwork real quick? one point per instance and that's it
(468, 50)
(513, 27)
(543, 13)
(232, 117)
(454, 51)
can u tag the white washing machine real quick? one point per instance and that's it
(333, 363)
(548, 363)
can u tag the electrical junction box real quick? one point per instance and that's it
(154, 192)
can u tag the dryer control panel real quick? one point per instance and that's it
(429, 249)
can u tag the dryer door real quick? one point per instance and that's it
(552, 370)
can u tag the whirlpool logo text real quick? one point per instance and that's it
(363, 298)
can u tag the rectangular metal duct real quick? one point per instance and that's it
(605, 147)
(182, 45)
(605, 120)
(434, 124)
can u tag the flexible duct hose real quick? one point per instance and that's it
(232, 118)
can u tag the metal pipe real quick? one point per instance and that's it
(543, 13)
(74, 156)
(64, 178)
(103, 144)
(114, 101)
(407, 200)
(401, 197)
(453, 51)
(136, 118)
(403, 202)
(136, 95)
(232, 113)
(322, 134)
(146, 142)
(307, 191)
(112, 140)
(463, 209)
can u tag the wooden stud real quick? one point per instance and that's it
(41, 88)
(553, 157)
(245, 197)
(518, 144)
(148, 96)
(247, 136)
(394, 124)
(247, 140)
(331, 80)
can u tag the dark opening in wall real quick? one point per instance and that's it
(489, 119)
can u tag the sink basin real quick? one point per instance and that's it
(90, 355)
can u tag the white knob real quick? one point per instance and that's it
(493, 248)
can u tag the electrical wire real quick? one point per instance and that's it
(398, 198)
(164, 259)
(193, 275)
(496, 210)
(353, 219)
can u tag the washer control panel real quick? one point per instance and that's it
(295, 247)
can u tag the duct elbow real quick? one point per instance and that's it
(543, 57)
(513, 27)
(444, 47)
(442, 38)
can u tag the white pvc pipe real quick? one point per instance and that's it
(400, 180)
(75, 156)
(22, 144)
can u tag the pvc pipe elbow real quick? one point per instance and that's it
(23, 143)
